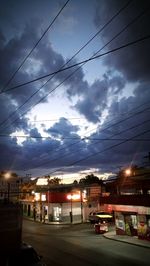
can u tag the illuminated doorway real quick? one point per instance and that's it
(57, 214)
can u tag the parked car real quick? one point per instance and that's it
(26, 256)
(100, 217)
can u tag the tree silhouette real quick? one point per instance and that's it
(90, 179)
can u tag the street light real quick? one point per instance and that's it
(69, 197)
(73, 197)
(128, 172)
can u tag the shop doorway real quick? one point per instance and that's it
(57, 214)
(130, 224)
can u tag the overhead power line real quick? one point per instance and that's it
(42, 137)
(85, 61)
(94, 36)
(36, 44)
(111, 138)
(56, 119)
(81, 62)
(99, 152)
(73, 118)
(70, 153)
(84, 138)
(129, 24)
(104, 129)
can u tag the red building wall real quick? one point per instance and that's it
(59, 197)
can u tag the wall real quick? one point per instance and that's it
(10, 227)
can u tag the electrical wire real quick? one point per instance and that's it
(36, 44)
(98, 32)
(127, 140)
(99, 152)
(123, 46)
(70, 153)
(86, 138)
(106, 128)
(81, 62)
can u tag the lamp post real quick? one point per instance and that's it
(7, 176)
(71, 220)
(69, 197)
(81, 198)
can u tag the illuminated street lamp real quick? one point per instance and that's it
(128, 172)
(7, 175)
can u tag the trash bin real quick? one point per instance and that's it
(97, 228)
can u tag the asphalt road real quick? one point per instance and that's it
(78, 245)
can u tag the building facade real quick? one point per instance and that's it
(61, 203)
(129, 199)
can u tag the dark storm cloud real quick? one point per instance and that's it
(63, 128)
(41, 153)
(94, 101)
(2, 39)
(95, 98)
(133, 62)
(13, 49)
(118, 126)
(38, 64)
(34, 132)
(133, 65)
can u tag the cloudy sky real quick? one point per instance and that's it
(92, 118)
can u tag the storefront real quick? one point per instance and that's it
(131, 220)
(126, 223)
(60, 203)
(66, 207)
(144, 226)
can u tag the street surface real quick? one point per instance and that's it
(79, 245)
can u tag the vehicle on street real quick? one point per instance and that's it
(101, 228)
(26, 256)
(100, 217)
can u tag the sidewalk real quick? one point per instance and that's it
(133, 240)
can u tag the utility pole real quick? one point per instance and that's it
(71, 216)
(81, 205)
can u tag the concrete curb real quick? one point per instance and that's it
(50, 223)
(128, 241)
